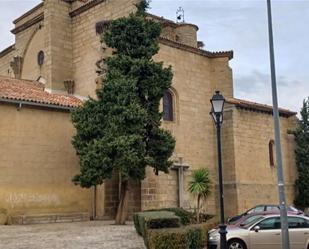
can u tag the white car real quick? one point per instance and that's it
(264, 232)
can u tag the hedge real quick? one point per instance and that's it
(186, 217)
(187, 237)
(154, 220)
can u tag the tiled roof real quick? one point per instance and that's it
(33, 92)
(253, 106)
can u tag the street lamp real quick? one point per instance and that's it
(217, 103)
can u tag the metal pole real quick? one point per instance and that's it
(222, 226)
(283, 210)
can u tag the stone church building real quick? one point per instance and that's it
(51, 69)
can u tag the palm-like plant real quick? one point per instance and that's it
(200, 186)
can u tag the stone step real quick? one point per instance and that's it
(49, 218)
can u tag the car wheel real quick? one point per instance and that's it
(236, 244)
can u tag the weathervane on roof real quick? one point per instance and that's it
(180, 15)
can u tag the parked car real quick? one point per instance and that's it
(264, 232)
(263, 208)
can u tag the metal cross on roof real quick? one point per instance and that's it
(180, 15)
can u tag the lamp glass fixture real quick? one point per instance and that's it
(217, 103)
(214, 116)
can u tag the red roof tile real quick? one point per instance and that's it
(32, 91)
(245, 104)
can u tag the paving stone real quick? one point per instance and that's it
(78, 235)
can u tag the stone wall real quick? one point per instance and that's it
(38, 162)
(194, 84)
(228, 164)
(24, 37)
(31, 70)
(256, 179)
(86, 43)
(187, 34)
(58, 40)
(5, 68)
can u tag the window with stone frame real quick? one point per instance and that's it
(168, 107)
(271, 149)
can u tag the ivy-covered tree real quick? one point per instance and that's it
(119, 131)
(302, 157)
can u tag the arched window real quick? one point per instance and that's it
(271, 147)
(168, 109)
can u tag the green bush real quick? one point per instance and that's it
(185, 216)
(161, 229)
(175, 238)
(187, 237)
(136, 223)
(165, 222)
(154, 220)
(194, 238)
(205, 227)
(205, 217)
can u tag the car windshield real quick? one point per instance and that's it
(250, 219)
(254, 220)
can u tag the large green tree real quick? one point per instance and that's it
(302, 157)
(119, 131)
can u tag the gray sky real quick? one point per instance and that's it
(233, 25)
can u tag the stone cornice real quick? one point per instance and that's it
(28, 24)
(28, 13)
(221, 54)
(257, 107)
(7, 50)
(85, 7)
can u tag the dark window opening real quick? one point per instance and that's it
(41, 58)
(271, 152)
(168, 114)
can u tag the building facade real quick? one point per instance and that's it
(57, 45)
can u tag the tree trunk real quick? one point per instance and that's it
(198, 209)
(122, 210)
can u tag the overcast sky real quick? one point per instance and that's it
(233, 25)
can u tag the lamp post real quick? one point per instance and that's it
(217, 103)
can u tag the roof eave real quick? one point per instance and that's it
(222, 54)
(36, 104)
(263, 109)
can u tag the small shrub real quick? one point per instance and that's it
(154, 220)
(205, 217)
(185, 216)
(159, 223)
(167, 239)
(136, 223)
(188, 237)
(194, 238)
